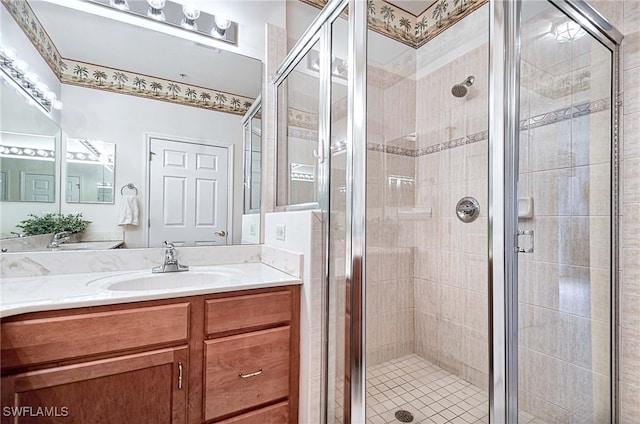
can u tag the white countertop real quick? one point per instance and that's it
(42, 293)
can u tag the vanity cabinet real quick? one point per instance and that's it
(247, 352)
(143, 385)
(220, 358)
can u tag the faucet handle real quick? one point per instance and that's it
(169, 245)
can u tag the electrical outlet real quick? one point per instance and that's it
(280, 232)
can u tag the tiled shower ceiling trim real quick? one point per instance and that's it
(526, 124)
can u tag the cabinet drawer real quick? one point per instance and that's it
(274, 414)
(37, 341)
(238, 312)
(245, 371)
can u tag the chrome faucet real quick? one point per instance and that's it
(58, 239)
(170, 263)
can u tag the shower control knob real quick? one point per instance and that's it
(468, 209)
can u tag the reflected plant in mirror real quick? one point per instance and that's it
(52, 223)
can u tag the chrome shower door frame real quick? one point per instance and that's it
(504, 77)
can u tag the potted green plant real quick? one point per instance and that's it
(52, 223)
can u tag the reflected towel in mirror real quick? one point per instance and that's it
(128, 210)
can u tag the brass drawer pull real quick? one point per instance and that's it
(251, 374)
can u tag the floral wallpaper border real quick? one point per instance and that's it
(526, 124)
(120, 81)
(414, 31)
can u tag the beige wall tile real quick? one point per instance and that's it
(631, 136)
(629, 357)
(630, 403)
(631, 187)
(631, 271)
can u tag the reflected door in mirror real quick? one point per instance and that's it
(189, 189)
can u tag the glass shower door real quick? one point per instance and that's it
(564, 217)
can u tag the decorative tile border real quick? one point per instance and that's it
(124, 82)
(119, 81)
(414, 31)
(526, 124)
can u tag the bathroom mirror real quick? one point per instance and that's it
(29, 160)
(131, 85)
(298, 109)
(90, 171)
(252, 133)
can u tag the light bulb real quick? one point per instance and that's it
(21, 65)
(156, 14)
(42, 87)
(9, 53)
(56, 104)
(119, 4)
(222, 22)
(50, 95)
(155, 10)
(32, 77)
(190, 11)
(156, 4)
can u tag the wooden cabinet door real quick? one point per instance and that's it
(141, 388)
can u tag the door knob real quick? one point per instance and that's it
(221, 233)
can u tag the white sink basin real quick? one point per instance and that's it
(148, 281)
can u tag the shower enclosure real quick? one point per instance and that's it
(463, 154)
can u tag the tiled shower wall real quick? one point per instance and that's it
(451, 256)
(390, 238)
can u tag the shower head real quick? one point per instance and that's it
(460, 90)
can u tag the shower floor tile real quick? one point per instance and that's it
(430, 393)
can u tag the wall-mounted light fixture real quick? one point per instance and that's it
(26, 81)
(182, 15)
(16, 152)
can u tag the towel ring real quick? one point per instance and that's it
(130, 186)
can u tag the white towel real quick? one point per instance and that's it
(128, 210)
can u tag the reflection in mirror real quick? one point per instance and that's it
(132, 92)
(90, 171)
(298, 108)
(28, 167)
(29, 146)
(252, 133)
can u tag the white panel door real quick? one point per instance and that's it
(36, 187)
(189, 190)
(73, 189)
